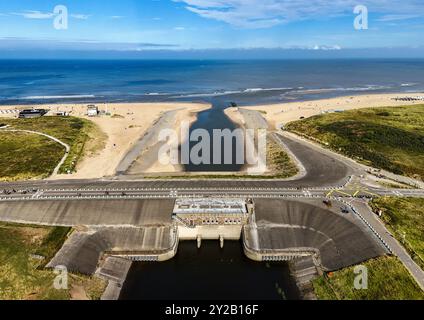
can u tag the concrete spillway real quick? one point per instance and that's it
(82, 252)
(145, 227)
(339, 240)
(89, 212)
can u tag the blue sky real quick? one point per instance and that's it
(139, 25)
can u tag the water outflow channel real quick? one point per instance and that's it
(209, 273)
(209, 120)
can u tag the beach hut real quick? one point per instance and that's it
(92, 111)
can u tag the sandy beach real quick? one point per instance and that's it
(126, 124)
(282, 113)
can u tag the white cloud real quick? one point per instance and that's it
(268, 13)
(39, 15)
(326, 48)
(80, 16)
(397, 17)
(35, 14)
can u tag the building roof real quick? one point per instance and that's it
(210, 206)
(33, 111)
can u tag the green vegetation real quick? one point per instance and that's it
(388, 279)
(22, 273)
(389, 138)
(52, 242)
(279, 162)
(25, 156)
(404, 217)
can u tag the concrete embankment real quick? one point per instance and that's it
(114, 271)
(284, 230)
(97, 213)
(85, 250)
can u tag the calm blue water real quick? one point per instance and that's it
(246, 82)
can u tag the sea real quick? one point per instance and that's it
(246, 82)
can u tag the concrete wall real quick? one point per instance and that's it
(229, 232)
(83, 250)
(89, 212)
(294, 226)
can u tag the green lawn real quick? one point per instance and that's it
(388, 279)
(404, 217)
(22, 276)
(389, 138)
(25, 156)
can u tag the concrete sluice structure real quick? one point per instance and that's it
(211, 219)
(285, 230)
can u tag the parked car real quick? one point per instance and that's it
(345, 210)
(328, 203)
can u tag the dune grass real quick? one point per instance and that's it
(404, 217)
(389, 138)
(388, 279)
(22, 273)
(25, 156)
(279, 162)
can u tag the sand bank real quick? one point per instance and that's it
(124, 126)
(283, 113)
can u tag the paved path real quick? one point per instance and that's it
(67, 148)
(396, 248)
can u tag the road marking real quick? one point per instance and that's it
(330, 193)
(343, 193)
(397, 193)
(37, 194)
